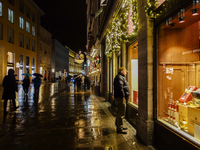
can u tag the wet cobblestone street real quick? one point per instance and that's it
(62, 120)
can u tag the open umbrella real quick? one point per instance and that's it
(37, 75)
(26, 74)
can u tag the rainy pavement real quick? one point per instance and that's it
(62, 119)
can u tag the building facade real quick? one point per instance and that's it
(19, 21)
(44, 53)
(159, 45)
(59, 60)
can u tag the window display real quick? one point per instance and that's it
(178, 53)
(133, 73)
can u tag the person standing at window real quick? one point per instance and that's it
(121, 95)
(9, 88)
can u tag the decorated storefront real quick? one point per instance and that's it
(120, 43)
(178, 87)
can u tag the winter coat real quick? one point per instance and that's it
(26, 82)
(37, 81)
(10, 87)
(121, 88)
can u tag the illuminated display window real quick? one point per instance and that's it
(178, 91)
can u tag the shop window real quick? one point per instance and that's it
(21, 6)
(27, 64)
(33, 17)
(33, 45)
(33, 30)
(133, 73)
(1, 31)
(21, 66)
(28, 12)
(21, 40)
(178, 91)
(10, 15)
(21, 22)
(27, 27)
(33, 65)
(1, 11)
(10, 60)
(27, 43)
(10, 35)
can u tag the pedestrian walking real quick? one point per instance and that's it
(37, 82)
(9, 88)
(121, 95)
(26, 84)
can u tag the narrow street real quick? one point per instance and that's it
(63, 119)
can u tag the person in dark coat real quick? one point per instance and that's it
(9, 88)
(37, 82)
(26, 84)
(121, 95)
(79, 83)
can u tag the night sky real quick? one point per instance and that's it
(66, 20)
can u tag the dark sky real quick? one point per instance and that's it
(66, 20)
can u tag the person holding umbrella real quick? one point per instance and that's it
(37, 82)
(26, 83)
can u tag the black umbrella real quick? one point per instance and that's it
(37, 75)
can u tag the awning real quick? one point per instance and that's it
(99, 12)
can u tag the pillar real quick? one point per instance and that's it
(124, 54)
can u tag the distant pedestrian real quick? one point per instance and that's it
(79, 84)
(45, 79)
(37, 82)
(121, 95)
(9, 88)
(26, 84)
(83, 82)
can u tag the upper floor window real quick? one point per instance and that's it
(27, 27)
(27, 12)
(33, 30)
(10, 15)
(33, 45)
(1, 9)
(33, 16)
(21, 22)
(21, 7)
(11, 2)
(10, 35)
(21, 40)
(27, 43)
(1, 31)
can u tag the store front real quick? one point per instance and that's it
(178, 80)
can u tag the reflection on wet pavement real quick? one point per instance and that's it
(62, 119)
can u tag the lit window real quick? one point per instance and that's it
(10, 15)
(33, 30)
(21, 22)
(28, 27)
(0, 8)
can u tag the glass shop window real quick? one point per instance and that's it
(133, 73)
(178, 91)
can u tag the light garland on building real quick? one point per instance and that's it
(150, 8)
(119, 27)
